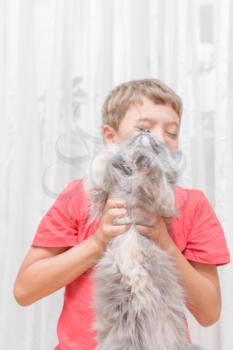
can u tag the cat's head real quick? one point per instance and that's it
(142, 168)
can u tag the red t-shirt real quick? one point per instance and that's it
(196, 232)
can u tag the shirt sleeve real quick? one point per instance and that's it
(206, 241)
(59, 226)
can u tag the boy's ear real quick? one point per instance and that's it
(110, 135)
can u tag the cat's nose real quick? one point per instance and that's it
(141, 161)
(145, 138)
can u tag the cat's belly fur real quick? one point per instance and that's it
(138, 299)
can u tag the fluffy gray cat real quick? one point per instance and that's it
(138, 300)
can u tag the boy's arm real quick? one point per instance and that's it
(45, 270)
(209, 272)
(200, 281)
(201, 285)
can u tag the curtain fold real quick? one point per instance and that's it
(58, 61)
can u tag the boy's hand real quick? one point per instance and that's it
(114, 208)
(149, 225)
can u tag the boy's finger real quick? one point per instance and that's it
(114, 203)
(143, 223)
(116, 230)
(140, 210)
(143, 230)
(114, 213)
(122, 220)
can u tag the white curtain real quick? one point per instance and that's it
(58, 60)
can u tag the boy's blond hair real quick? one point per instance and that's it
(124, 95)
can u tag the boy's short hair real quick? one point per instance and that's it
(124, 95)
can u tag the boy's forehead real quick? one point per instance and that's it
(150, 112)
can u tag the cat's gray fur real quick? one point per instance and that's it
(138, 299)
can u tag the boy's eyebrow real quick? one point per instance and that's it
(145, 119)
(172, 123)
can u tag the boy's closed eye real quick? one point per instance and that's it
(173, 135)
(141, 128)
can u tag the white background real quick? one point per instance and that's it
(58, 60)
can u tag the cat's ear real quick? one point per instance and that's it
(97, 168)
(95, 184)
(176, 155)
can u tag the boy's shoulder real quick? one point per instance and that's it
(74, 190)
(73, 199)
(203, 238)
(189, 198)
(73, 186)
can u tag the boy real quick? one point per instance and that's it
(66, 246)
